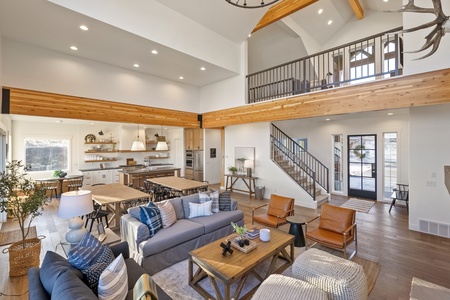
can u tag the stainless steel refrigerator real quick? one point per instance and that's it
(198, 165)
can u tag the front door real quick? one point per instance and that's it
(362, 166)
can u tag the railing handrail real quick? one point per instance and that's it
(392, 31)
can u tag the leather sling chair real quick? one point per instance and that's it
(279, 209)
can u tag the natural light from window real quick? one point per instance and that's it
(47, 154)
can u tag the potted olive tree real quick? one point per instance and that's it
(21, 199)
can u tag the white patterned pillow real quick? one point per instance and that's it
(113, 282)
(200, 209)
(210, 196)
(168, 215)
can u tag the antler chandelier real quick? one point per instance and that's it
(251, 3)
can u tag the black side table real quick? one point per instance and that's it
(296, 229)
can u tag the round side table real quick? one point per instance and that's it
(296, 229)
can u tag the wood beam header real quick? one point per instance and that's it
(35, 103)
(423, 89)
(357, 9)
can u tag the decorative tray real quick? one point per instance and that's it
(245, 249)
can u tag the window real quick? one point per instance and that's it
(338, 172)
(390, 163)
(47, 154)
(362, 65)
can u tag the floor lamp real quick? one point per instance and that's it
(73, 205)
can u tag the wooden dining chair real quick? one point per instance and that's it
(50, 185)
(75, 183)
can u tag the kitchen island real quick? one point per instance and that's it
(136, 178)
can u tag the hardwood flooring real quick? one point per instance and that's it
(383, 237)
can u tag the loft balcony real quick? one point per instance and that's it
(376, 57)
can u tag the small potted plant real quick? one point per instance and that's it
(59, 173)
(232, 170)
(241, 231)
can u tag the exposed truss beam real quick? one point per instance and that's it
(281, 10)
(356, 6)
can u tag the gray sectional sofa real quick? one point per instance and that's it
(171, 245)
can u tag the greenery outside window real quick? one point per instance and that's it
(47, 154)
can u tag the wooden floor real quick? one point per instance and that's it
(383, 237)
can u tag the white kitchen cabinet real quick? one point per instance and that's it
(88, 178)
(115, 176)
(101, 176)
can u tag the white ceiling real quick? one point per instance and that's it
(45, 24)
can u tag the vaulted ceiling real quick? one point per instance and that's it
(185, 33)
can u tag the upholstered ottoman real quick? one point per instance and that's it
(338, 277)
(287, 288)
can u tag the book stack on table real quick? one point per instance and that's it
(253, 233)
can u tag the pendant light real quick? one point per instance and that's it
(162, 145)
(138, 145)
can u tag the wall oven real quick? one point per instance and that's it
(189, 159)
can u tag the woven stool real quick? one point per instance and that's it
(287, 288)
(339, 278)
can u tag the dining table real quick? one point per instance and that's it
(180, 185)
(112, 196)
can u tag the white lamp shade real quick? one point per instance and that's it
(137, 146)
(162, 146)
(248, 163)
(75, 203)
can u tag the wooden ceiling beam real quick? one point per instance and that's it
(280, 10)
(43, 104)
(357, 9)
(423, 89)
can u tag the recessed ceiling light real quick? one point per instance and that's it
(59, 121)
(154, 52)
(327, 119)
(84, 27)
(249, 35)
(203, 68)
(181, 77)
(74, 48)
(320, 11)
(136, 65)
(330, 21)
(390, 114)
(386, 0)
(92, 123)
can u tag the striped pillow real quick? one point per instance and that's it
(200, 209)
(85, 252)
(225, 201)
(113, 283)
(210, 196)
(168, 215)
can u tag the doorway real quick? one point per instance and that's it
(362, 166)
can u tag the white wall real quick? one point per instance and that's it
(319, 133)
(213, 165)
(272, 46)
(429, 153)
(35, 68)
(269, 175)
(415, 40)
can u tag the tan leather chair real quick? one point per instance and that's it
(279, 209)
(337, 229)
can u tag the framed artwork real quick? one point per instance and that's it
(244, 157)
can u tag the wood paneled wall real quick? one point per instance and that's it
(35, 103)
(423, 89)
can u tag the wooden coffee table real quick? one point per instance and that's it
(238, 266)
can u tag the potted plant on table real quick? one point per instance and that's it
(21, 199)
(241, 231)
(232, 170)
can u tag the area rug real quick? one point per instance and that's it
(9, 237)
(174, 280)
(359, 205)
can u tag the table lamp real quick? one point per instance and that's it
(248, 163)
(73, 205)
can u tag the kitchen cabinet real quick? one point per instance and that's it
(101, 176)
(104, 176)
(193, 139)
(189, 174)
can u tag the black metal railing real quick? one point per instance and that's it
(298, 163)
(377, 56)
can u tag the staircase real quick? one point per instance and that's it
(300, 165)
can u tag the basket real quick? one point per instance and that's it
(245, 249)
(23, 255)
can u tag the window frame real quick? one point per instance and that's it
(49, 137)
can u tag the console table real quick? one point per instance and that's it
(250, 182)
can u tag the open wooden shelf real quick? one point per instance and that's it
(100, 160)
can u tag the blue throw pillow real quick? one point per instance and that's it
(93, 272)
(151, 217)
(85, 252)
